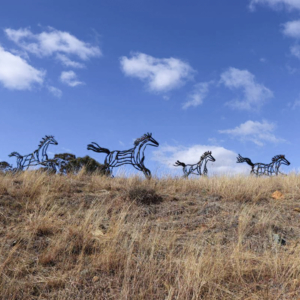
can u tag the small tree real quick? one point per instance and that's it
(69, 163)
(5, 166)
(91, 166)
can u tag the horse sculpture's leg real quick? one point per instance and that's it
(147, 173)
(186, 172)
(110, 172)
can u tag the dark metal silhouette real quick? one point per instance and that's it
(196, 169)
(38, 157)
(134, 156)
(260, 169)
(5, 166)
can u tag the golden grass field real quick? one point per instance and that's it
(92, 237)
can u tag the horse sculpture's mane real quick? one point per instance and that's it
(276, 157)
(205, 154)
(45, 139)
(142, 138)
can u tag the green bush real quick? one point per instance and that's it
(68, 163)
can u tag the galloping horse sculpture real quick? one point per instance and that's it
(260, 169)
(38, 157)
(134, 156)
(196, 169)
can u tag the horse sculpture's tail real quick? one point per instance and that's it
(241, 159)
(179, 163)
(96, 148)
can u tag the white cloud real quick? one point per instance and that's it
(20, 53)
(70, 78)
(254, 131)
(53, 42)
(160, 74)
(295, 104)
(198, 95)
(254, 94)
(54, 91)
(291, 70)
(295, 50)
(276, 4)
(292, 29)
(225, 159)
(16, 73)
(66, 61)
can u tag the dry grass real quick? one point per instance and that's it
(91, 237)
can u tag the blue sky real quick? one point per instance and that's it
(200, 75)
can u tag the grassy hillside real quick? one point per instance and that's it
(92, 237)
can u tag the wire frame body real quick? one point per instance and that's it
(260, 169)
(200, 168)
(134, 156)
(38, 157)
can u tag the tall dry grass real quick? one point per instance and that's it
(91, 237)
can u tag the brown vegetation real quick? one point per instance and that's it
(93, 237)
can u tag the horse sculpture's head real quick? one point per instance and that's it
(207, 155)
(15, 154)
(50, 139)
(281, 159)
(147, 138)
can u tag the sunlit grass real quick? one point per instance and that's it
(92, 237)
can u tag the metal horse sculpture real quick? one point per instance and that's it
(260, 169)
(196, 169)
(38, 157)
(134, 156)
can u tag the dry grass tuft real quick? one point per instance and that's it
(93, 237)
(144, 196)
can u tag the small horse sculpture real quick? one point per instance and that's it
(260, 169)
(196, 168)
(134, 156)
(38, 157)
